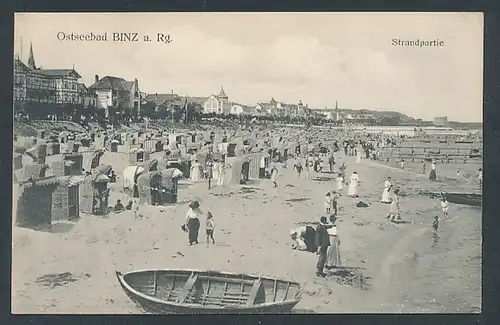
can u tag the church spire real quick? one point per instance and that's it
(336, 106)
(222, 93)
(31, 59)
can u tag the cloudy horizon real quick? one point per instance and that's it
(318, 58)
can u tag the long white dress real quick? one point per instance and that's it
(215, 170)
(353, 186)
(358, 157)
(340, 184)
(333, 252)
(385, 194)
(220, 179)
(195, 172)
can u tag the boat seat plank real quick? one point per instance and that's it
(253, 293)
(286, 291)
(188, 287)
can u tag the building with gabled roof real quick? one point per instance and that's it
(218, 104)
(48, 86)
(118, 93)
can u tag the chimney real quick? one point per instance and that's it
(96, 78)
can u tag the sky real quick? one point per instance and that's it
(316, 58)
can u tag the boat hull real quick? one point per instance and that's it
(470, 199)
(155, 306)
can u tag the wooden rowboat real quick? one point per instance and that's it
(472, 199)
(208, 292)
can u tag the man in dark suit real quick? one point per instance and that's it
(322, 242)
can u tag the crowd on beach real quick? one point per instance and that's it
(323, 239)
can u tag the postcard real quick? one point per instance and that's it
(207, 163)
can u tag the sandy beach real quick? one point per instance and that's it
(388, 267)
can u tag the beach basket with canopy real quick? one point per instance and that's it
(94, 192)
(149, 187)
(237, 171)
(169, 185)
(130, 176)
(104, 169)
(114, 145)
(150, 165)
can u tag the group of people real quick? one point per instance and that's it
(215, 170)
(324, 241)
(192, 224)
(390, 196)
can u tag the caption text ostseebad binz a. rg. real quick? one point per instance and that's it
(118, 37)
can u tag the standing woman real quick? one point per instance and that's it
(195, 171)
(220, 174)
(358, 156)
(387, 188)
(353, 186)
(333, 251)
(215, 170)
(432, 175)
(193, 222)
(394, 210)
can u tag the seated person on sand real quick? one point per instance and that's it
(304, 238)
(118, 206)
(129, 205)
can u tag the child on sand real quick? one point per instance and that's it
(210, 226)
(328, 203)
(335, 198)
(444, 206)
(340, 183)
(435, 223)
(274, 176)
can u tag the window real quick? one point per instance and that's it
(74, 86)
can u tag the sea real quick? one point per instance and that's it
(442, 271)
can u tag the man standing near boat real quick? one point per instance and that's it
(322, 242)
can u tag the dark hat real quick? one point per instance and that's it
(194, 205)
